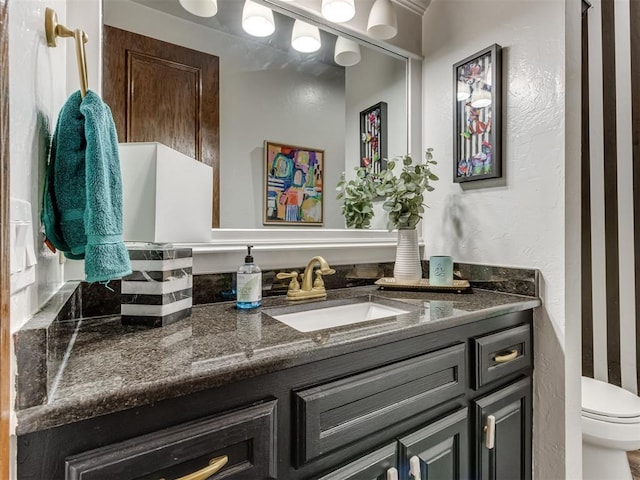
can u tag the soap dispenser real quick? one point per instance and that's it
(249, 283)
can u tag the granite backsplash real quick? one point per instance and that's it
(97, 300)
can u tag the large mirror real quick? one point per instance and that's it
(268, 91)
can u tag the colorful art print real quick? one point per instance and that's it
(478, 116)
(293, 193)
(373, 137)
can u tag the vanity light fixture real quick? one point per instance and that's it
(463, 91)
(305, 37)
(201, 8)
(347, 52)
(338, 11)
(480, 98)
(257, 20)
(383, 23)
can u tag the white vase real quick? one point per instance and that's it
(407, 268)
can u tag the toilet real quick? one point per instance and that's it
(610, 428)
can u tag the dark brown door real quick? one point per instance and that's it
(160, 92)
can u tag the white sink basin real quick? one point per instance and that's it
(327, 316)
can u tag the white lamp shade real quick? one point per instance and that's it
(480, 98)
(383, 23)
(257, 20)
(347, 52)
(488, 76)
(201, 8)
(305, 37)
(463, 92)
(338, 10)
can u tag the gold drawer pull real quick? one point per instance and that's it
(490, 432)
(215, 464)
(507, 357)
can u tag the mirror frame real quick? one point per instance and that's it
(273, 247)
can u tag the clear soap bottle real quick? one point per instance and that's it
(249, 283)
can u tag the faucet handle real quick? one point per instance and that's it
(294, 285)
(318, 283)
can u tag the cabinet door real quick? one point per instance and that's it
(245, 437)
(503, 433)
(439, 450)
(373, 466)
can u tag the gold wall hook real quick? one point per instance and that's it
(53, 30)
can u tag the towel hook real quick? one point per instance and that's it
(54, 30)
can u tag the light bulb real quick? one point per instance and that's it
(347, 52)
(383, 23)
(257, 20)
(480, 98)
(305, 37)
(338, 10)
(463, 91)
(201, 8)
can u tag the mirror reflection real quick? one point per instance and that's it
(269, 91)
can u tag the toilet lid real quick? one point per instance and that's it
(600, 399)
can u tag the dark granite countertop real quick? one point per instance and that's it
(110, 367)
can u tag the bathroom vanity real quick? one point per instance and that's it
(444, 388)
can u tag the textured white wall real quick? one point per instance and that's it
(518, 220)
(37, 81)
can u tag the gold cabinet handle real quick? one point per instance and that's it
(490, 432)
(215, 464)
(507, 357)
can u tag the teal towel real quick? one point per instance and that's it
(82, 208)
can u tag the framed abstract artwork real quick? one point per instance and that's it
(293, 185)
(478, 116)
(373, 136)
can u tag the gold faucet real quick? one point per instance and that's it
(308, 289)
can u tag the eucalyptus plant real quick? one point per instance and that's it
(358, 194)
(404, 193)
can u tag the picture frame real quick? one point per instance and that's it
(373, 136)
(293, 185)
(477, 118)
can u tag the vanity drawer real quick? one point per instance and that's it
(245, 436)
(501, 353)
(329, 416)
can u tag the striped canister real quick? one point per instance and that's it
(159, 290)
